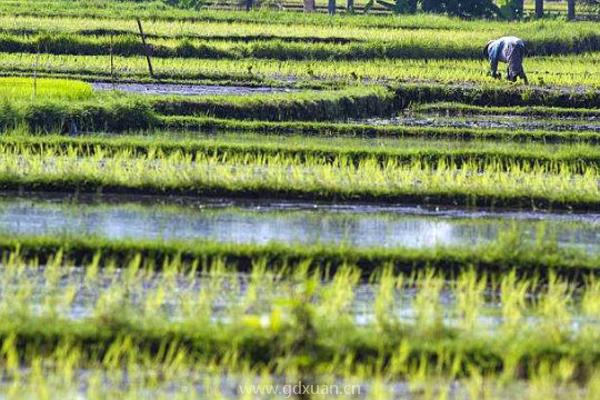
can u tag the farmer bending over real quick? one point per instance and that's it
(508, 49)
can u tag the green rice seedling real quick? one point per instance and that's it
(472, 181)
(589, 301)
(549, 72)
(555, 303)
(102, 19)
(459, 109)
(470, 289)
(337, 297)
(385, 300)
(12, 89)
(371, 131)
(284, 42)
(513, 292)
(124, 346)
(427, 304)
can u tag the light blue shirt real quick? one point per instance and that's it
(497, 50)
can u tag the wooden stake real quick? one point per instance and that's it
(570, 10)
(112, 64)
(35, 68)
(146, 48)
(309, 5)
(350, 6)
(539, 8)
(331, 7)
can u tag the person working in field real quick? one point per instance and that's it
(508, 49)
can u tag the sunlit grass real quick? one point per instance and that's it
(299, 150)
(30, 88)
(254, 174)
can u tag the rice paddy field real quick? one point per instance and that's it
(295, 205)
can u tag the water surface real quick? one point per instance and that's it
(186, 90)
(262, 222)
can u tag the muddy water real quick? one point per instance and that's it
(487, 122)
(292, 223)
(187, 90)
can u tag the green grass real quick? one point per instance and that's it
(15, 89)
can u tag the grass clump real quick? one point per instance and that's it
(63, 115)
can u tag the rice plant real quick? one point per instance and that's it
(15, 89)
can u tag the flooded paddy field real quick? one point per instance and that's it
(490, 122)
(263, 222)
(185, 90)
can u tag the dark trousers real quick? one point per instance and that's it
(515, 54)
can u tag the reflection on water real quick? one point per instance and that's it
(189, 90)
(356, 226)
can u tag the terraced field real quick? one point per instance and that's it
(295, 206)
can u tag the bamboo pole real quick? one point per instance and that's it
(146, 48)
